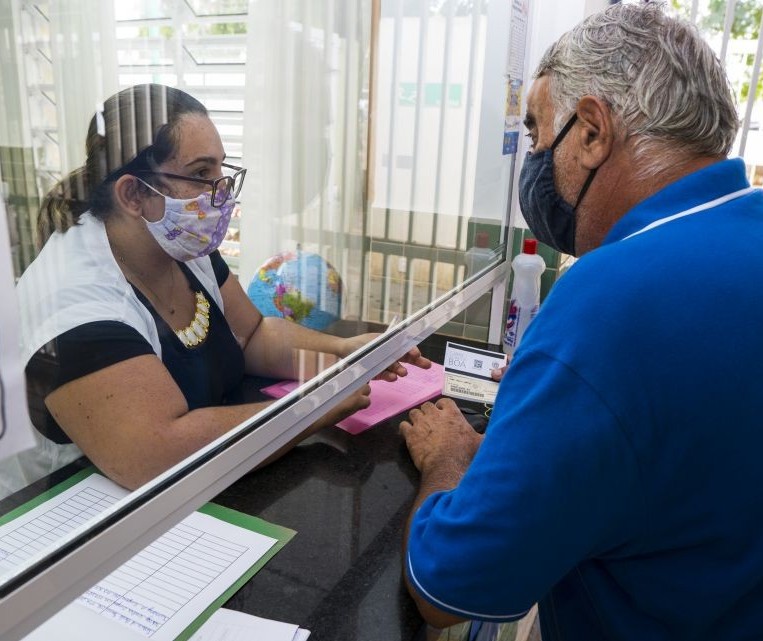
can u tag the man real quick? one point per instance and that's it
(619, 481)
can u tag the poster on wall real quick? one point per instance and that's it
(512, 120)
(515, 64)
(15, 426)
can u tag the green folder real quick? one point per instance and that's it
(282, 535)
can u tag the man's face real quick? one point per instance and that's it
(569, 173)
(539, 120)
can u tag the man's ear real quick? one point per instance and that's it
(595, 131)
(129, 194)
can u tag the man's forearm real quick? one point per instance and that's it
(442, 478)
(442, 445)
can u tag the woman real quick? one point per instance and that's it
(153, 334)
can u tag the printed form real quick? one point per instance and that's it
(159, 592)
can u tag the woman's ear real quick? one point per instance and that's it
(596, 131)
(130, 195)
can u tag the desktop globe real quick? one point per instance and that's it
(299, 286)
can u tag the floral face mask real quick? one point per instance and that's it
(191, 228)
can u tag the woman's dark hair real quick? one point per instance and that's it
(136, 130)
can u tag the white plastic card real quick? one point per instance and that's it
(467, 373)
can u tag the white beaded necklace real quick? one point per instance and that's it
(196, 332)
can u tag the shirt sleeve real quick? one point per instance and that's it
(555, 481)
(220, 267)
(94, 346)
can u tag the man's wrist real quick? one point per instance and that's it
(442, 475)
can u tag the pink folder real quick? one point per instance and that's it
(387, 399)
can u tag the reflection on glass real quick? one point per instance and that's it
(141, 10)
(438, 180)
(106, 296)
(218, 7)
(282, 89)
(206, 54)
(150, 332)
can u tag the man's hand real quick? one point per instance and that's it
(497, 374)
(439, 438)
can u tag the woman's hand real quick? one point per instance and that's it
(358, 400)
(412, 357)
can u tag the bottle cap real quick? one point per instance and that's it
(481, 239)
(529, 246)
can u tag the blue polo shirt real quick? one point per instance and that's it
(620, 482)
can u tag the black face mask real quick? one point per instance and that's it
(550, 218)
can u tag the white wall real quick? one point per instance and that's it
(548, 21)
(493, 170)
(14, 125)
(439, 145)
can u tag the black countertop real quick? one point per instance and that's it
(348, 497)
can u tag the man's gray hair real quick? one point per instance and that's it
(665, 86)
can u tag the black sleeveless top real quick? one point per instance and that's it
(209, 374)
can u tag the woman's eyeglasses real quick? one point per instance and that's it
(223, 188)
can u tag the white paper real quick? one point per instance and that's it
(16, 432)
(230, 625)
(469, 388)
(159, 591)
(39, 530)
(515, 63)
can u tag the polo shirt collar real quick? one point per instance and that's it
(711, 182)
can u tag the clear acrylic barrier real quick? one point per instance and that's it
(343, 200)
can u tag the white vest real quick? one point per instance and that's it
(76, 280)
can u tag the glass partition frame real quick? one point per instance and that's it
(48, 582)
(92, 551)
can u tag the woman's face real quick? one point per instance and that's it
(199, 154)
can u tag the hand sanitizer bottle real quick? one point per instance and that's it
(476, 259)
(479, 256)
(525, 294)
